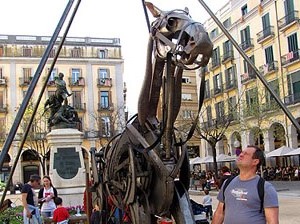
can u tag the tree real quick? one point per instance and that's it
(36, 141)
(108, 123)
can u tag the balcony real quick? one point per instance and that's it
(292, 99)
(269, 106)
(216, 91)
(265, 34)
(51, 83)
(104, 82)
(247, 44)
(287, 21)
(215, 63)
(3, 82)
(247, 77)
(290, 58)
(25, 81)
(105, 107)
(230, 84)
(228, 56)
(3, 108)
(76, 81)
(79, 107)
(268, 68)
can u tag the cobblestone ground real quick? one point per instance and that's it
(289, 200)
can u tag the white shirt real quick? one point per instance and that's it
(207, 200)
(50, 205)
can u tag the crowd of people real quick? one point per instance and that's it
(281, 173)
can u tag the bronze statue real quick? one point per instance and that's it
(146, 168)
(61, 89)
(61, 114)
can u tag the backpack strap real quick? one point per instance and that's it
(261, 192)
(225, 185)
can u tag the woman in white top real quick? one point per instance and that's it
(46, 197)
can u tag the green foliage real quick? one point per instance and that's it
(12, 215)
(2, 186)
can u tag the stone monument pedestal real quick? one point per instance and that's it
(67, 169)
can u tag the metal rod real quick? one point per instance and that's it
(32, 85)
(146, 15)
(247, 59)
(40, 95)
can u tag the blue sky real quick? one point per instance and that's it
(96, 18)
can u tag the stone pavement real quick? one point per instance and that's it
(289, 200)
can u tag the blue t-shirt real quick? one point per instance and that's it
(242, 202)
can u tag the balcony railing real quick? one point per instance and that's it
(3, 108)
(247, 44)
(227, 56)
(215, 63)
(248, 76)
(25, 81)
(79, 106)
(104, 82)
(292, 99)
(3, 81)
(268, 68)
(289, 19)
(230, 84)
(269, 106)
(76, 81)
(265, 34)
(105, 107)
(217, 90)
(290, 57)
(51, 83)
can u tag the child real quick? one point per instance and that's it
(207, 203)
(96, 215)
(60, 214)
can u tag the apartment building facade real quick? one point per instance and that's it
(268, 31)
(93, 72)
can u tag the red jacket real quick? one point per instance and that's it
(60, 214)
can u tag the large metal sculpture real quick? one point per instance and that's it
(145, 170)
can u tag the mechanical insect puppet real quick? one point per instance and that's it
(144, 171)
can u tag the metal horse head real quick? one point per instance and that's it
(176, 32)
(172, 33)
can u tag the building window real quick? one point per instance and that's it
(103, 73)
(293, 42)
(76, 97)
(186, 96)
(218, 82)
(275, 87)
(244, 10)
(76, 74)
(247, 68)
(27, 75)
(214, 33)
(245, 37)
(208, 113)
(1, 73)
(27, 52)
(252, 98)
(207, 90)
(52, 53)
(266, 22)
(227, 23)
(2, 128)
(53, 74)
(102, 53)
(76, 52)
(294, 87)
(104, 99)
(230, 77)
(269, 55)
(215, 58)
(105, 126)
(1, 100)
(186, 80)
(187, 114)
(220, 111)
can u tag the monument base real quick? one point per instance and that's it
(67, 169)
